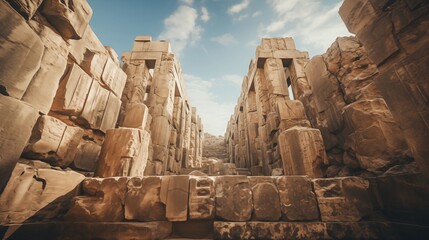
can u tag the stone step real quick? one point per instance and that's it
(214, 230)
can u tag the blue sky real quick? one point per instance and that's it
(215, 39)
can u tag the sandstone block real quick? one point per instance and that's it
(143, 201)
(269, 230)
(16, 130)
(27, 8)
(70, 18)
(21, 52)
(291, 113)
(87, 153)
(302, 151)
(297, 199)
(95, 106)
(343, 199)
(136, 116)
(374, 138)
(42, 88)
(89, 53)
(103, 201)
(328, 98)
(114, 77)
(233, 198)
(53, 141)
(201, 197)
(37, 193)
(45, 138)
(123, 153)
(72, 91)
(266, 205)
(111, 113)
(175, 195)
(275, 76)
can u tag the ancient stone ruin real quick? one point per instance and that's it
(332, 147)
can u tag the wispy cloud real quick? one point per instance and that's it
(205, 17)
(225, 39)
(255, 14)
(314, 23)
(187, 2)
(237, 8)
(214, 114)
(180, 28)
(233, 78)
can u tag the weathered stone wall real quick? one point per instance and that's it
(344, 103)
(228, 206)
(353, 132)
(155, 87)
(55, 77)
(395, 35)
(63, 95)
(268, 131)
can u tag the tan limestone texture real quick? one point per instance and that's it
(34, 192)
(16, 131)
(400, 51)
(103, 201)
(123, 153)
(143, 199)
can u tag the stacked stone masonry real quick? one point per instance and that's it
(96, 148)
(223, 207)
(338, 124)
(65, 95)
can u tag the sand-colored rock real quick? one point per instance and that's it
(143, 201)
(16, 131)
(175, 195)
(343, 199)
(233, 198)
(70, 18)
(201, 197)
(302, 151)
(297, 199)
(72, 91)
(123, 153)
(42, 88)
(37, 193)
(266, 204)
(103, 201)
(27, 8)
(21, 53)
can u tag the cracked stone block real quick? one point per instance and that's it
(37, 193)
(175, 195)
(201, 197)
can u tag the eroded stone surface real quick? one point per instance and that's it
(124, 153)
(297, 199)
(233, 198)
(143, 200)
(103, 201)
(16, 130)
(266, 204)
(37, 193)
(201, 197)
(343, 199)
(70, 18)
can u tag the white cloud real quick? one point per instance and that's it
(313, 23)
(180, 28)
(233, 78)
(187, 2)
(214, 114)
(255, 14)
(234, 9)
(205, 14)
(225, 39)
(241, 17)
